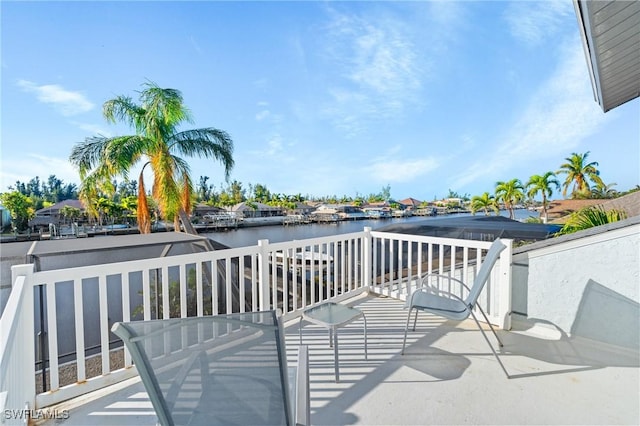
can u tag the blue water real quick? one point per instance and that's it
(249, 236)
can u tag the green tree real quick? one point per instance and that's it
(604, 191)
(510, 193)
(579, 173)
(261, 193)
(484, 202)
(543, 184)
(237, 193)
(203, 189)
(157, 142)
(70, 213)
(129, 206)
(21, 208)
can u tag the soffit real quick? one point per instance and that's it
(611, 38)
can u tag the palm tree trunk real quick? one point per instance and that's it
(186, 223)
(142, 212)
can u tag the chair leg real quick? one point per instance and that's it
(406, 328)
(491, 326)
(490, 345)
(415, 319)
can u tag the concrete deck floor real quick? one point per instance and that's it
(447, 376)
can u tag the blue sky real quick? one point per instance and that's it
(320, 98)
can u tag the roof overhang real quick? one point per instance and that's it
(611, 39)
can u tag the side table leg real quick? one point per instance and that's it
(300, 329)
(366, 357)
(335, 353)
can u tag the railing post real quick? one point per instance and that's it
(504, 285)
(27, 341)
(263, 275)
(367, 261)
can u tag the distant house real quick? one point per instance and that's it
(302, 208)
(5, 217)
(254, 209)
(377, 210)
(559, 210)
(202, 209)
(629, 203)
(52, 214)
(411, 203)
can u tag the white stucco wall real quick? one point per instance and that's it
(587, 286)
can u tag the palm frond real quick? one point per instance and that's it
(591, 216)
(124, 109)
(165, 189)
(86, 155)
(187, 191)
(205, 143)
(165, 108)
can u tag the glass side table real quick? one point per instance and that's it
(333, 315)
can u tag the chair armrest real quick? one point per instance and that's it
(446, 277)
(427, 288)
(302, 398)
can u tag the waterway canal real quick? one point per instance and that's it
(249, 236)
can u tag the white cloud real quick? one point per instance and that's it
(29, 165)
(377, 67)
(66, 102)
(93, 129)
(275, 145)
(560, 114)
(262, 115)
(533, 22)
(196, 45)
(387, 169)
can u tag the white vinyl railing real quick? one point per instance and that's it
(17, 387)
(406, 258)
(78, 306)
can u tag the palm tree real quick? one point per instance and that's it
(579, 172)
(543, 184)
(604, 191)
(158, 142)
(484, 202)
(510, 193)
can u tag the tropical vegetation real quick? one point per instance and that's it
(510, 193)
(21, 208)
(110, 201)
(157, 143)
(543, 184)
(589, 217)
(484, 202)
(579, 174)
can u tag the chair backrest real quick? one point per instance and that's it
(482, 277)
(223, 369)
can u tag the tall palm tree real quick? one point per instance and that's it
(543, 184)
(510, 192)
(484, 202)
(579, 173)
(158, 143)
(604, 191)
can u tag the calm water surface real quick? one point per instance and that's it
(243, 237)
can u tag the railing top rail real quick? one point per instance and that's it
(431, 239)
(143, 264)
(314, 241)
